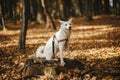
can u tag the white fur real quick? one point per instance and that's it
(63, 33)
(40, 50)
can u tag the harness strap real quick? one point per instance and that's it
(62, 40)
(53, 44)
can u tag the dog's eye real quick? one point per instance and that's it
(65, 24)
(70, 24)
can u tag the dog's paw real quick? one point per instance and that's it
(71, 58)
(55, 59)
(62, 64)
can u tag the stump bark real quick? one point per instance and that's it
(37, 67)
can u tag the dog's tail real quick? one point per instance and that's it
(40, 52)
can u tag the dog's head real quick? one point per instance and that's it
(66, 25)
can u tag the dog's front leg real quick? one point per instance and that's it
(68, 51)
(61, 45)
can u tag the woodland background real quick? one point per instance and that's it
(95, 37)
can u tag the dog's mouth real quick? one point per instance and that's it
(69, 29)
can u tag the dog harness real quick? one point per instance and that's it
(53, 44)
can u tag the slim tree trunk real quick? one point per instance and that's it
(55, 9)
(76, 8)
(106, 7)
(30, 17)
(118, 7)
(114, 6)
(89, 10)
(2, 21)
(22, 39)
(10, 3)
(64, 9)
(49, 20)
(33, 9)
(61, 14)
(40, 13)
(97, 7)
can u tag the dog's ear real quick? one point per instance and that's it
(61, 21)
(70, 19)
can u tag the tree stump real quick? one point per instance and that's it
(37, 67)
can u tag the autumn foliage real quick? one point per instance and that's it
(96, 45)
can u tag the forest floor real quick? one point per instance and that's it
(95, 44)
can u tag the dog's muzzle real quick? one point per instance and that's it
(69, 28)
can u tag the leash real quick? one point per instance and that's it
(53, 44)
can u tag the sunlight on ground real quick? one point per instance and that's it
(9, 38)
(89, 31)
(90, 43)
(101, 53)
(82, 37)
(94, 35)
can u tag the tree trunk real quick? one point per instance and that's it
(114, 6)
(22, 39)
(10, 3)
(49, 20)
(89, 10)
(97, 7)
(64, 9)
(118, 7)
(55, 9)
(76, 8)
(61, 14)
(2, 21)
(40, 13)
(106, 7)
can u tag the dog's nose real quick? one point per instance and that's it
(69, 27)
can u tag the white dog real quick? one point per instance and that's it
(57, 41)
